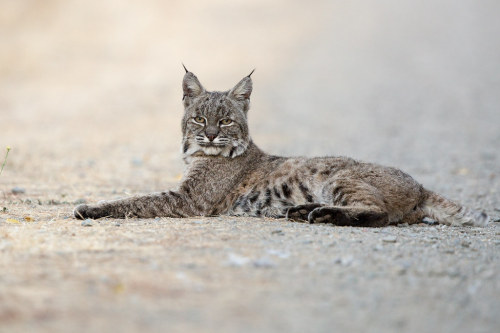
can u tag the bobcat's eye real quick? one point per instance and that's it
(226, 121)
(200, 120)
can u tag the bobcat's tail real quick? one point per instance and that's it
(448, 212)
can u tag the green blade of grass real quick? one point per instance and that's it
(5, 159)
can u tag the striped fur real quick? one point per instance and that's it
(227, 174)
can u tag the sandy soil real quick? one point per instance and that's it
(90, 102)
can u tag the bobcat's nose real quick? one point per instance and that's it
(211, 133)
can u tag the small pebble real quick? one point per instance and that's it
(344, 261)
(136, 161)
(18, 190)
(278, 253)
(237, 260)
(80, 201)
(401, 270)
(465, 243)
(428, 220)
(87, 223)
(264, 263)
(429, 240)
(277, 232)
(453, 272)
(389, 239)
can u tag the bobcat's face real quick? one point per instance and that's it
(215, 123)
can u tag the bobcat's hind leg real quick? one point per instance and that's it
(350, 216)
(301, 213)
(354, 202)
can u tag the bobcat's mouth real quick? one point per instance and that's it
(212, 144)
(223, 146)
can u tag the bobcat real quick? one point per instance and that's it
(228, 174)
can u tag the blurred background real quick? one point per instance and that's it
(90, 91)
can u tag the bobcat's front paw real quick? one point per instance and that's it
(83, 212)
(301, 212)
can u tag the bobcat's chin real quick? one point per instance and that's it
(212, 150)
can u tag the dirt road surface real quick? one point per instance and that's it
(90, 103)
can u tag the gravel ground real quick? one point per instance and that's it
(90, 104)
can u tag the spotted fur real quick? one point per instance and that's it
(228, 174)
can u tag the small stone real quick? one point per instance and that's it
(237, 260)
(453, 273)
(401, 270)
(136, 161)
(278, 253)
(389, 239)
(344, 261)
(429, 221)
(87, 223)
(277, 232)
(117, 224)
(429, 240)
(465, 243)
(264, 263)
(80, 201)
(18, 190)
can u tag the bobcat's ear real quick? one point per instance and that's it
(191, 87)
(243, 90)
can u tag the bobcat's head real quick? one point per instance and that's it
(215, 123)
